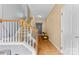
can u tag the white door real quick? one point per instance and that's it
(75, 29)
(66, 30)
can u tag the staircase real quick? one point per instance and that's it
(18, 33)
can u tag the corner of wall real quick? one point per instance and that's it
(53, 25)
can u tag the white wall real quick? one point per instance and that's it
(11, 11)
(0, 11)
(53, 25)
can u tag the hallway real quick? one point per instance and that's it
(46, 48)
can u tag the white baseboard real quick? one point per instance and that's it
(55, 46)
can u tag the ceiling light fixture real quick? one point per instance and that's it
(39, 16)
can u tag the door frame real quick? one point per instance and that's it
(41, 27)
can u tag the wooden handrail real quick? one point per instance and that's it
(8, 20)
(21, 22)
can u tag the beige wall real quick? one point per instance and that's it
(53, 25)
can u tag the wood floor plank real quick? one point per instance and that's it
(46, 48)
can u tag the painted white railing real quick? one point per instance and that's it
(14, 31)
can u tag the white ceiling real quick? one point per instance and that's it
(41, 9)
(13, 11)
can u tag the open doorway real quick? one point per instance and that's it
(39, 27)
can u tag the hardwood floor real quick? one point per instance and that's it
(46, 48)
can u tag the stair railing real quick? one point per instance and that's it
(19, 31)
(30, 35)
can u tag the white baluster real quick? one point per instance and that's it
(30, 35)
(13, 33)
(21, 34)
(27, 34)
(17, 32)
(33, 43)
(9, 32)
(5, 30)
(16, 37)
(2, 33)
(15, 40)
